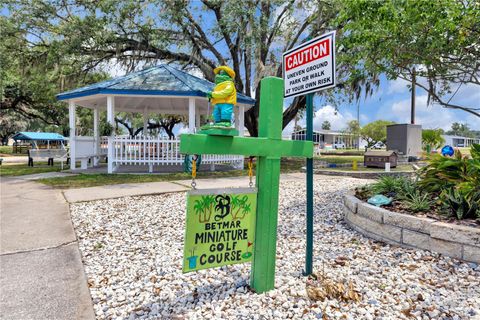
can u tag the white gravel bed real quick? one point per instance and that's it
(132, 251)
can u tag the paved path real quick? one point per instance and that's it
(141, 189)
(121, 190)
(41, 272)
(15, 159)
(44, 175)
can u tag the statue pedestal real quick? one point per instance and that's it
(219, 131)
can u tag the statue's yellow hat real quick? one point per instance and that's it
(228, 70)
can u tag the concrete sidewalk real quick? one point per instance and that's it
(149, 188)
(41, 272)
(45, 175)
(121, 190)
(15, 159)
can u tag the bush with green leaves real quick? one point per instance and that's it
(456, 181)
(417, 201)
(393, 186)
(432, 139)
(447, 184)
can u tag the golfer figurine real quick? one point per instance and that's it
(223, 99)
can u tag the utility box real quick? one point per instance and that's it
(405, 138)
(377, 159)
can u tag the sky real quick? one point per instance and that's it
(392, 102)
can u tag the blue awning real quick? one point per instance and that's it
(51, 136)
(162, 80)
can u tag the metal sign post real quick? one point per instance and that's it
(308, 68)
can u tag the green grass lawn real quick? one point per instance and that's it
(6, 149)
(339, 159)
(343, 152)
(465, 151)
(84, 180)
(24, 169)
(401, 168)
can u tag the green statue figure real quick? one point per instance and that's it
(223, 97)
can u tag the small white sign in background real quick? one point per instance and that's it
(310, 67)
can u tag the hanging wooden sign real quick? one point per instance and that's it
(220, 227)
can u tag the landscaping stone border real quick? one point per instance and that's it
(361, 174)
(456, 241)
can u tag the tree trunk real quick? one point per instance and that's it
(251, 116)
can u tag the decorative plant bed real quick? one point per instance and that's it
(453, 240)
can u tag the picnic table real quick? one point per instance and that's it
(49, 154)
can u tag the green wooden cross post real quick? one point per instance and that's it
(269, 148)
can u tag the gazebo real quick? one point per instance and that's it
(37, 140)
(161, 89)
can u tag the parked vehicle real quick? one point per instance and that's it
(339, 145)
(378, 145)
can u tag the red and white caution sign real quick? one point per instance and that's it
(310, 67)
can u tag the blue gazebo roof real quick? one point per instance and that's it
(162, 80)
(51, 136)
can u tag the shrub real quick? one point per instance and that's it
(456, 180)
(393, 186)
(417, 201)
(458, 206)
(363, 192)
(432, 138)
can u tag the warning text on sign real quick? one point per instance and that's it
(310, 67)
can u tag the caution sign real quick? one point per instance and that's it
(220, 227)
(310, 67)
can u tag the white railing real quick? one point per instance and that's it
(85, 146)
(220, 158)
(103, 145)
(158, 151)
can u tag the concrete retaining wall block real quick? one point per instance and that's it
(448, 248)
(371, 212)
(386, 231)
(351, 202)
(456, 241)
(408, 222)
(471, 253)
(452, 232)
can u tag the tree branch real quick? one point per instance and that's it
(430, 90)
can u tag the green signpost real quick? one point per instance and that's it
(269, 148)
(220, 227)
(308, 68)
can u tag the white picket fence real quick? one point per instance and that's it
(103, 145)
(158, 151)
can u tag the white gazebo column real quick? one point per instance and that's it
(72, 124)
(197, 119)
(191, 115)
(145, 121)
(235, 117)
(241, 120)
(111, 120)
(96, 137)
(241, 130)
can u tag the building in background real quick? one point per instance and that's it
(458, 141)
(405, 138)
(328, 139)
